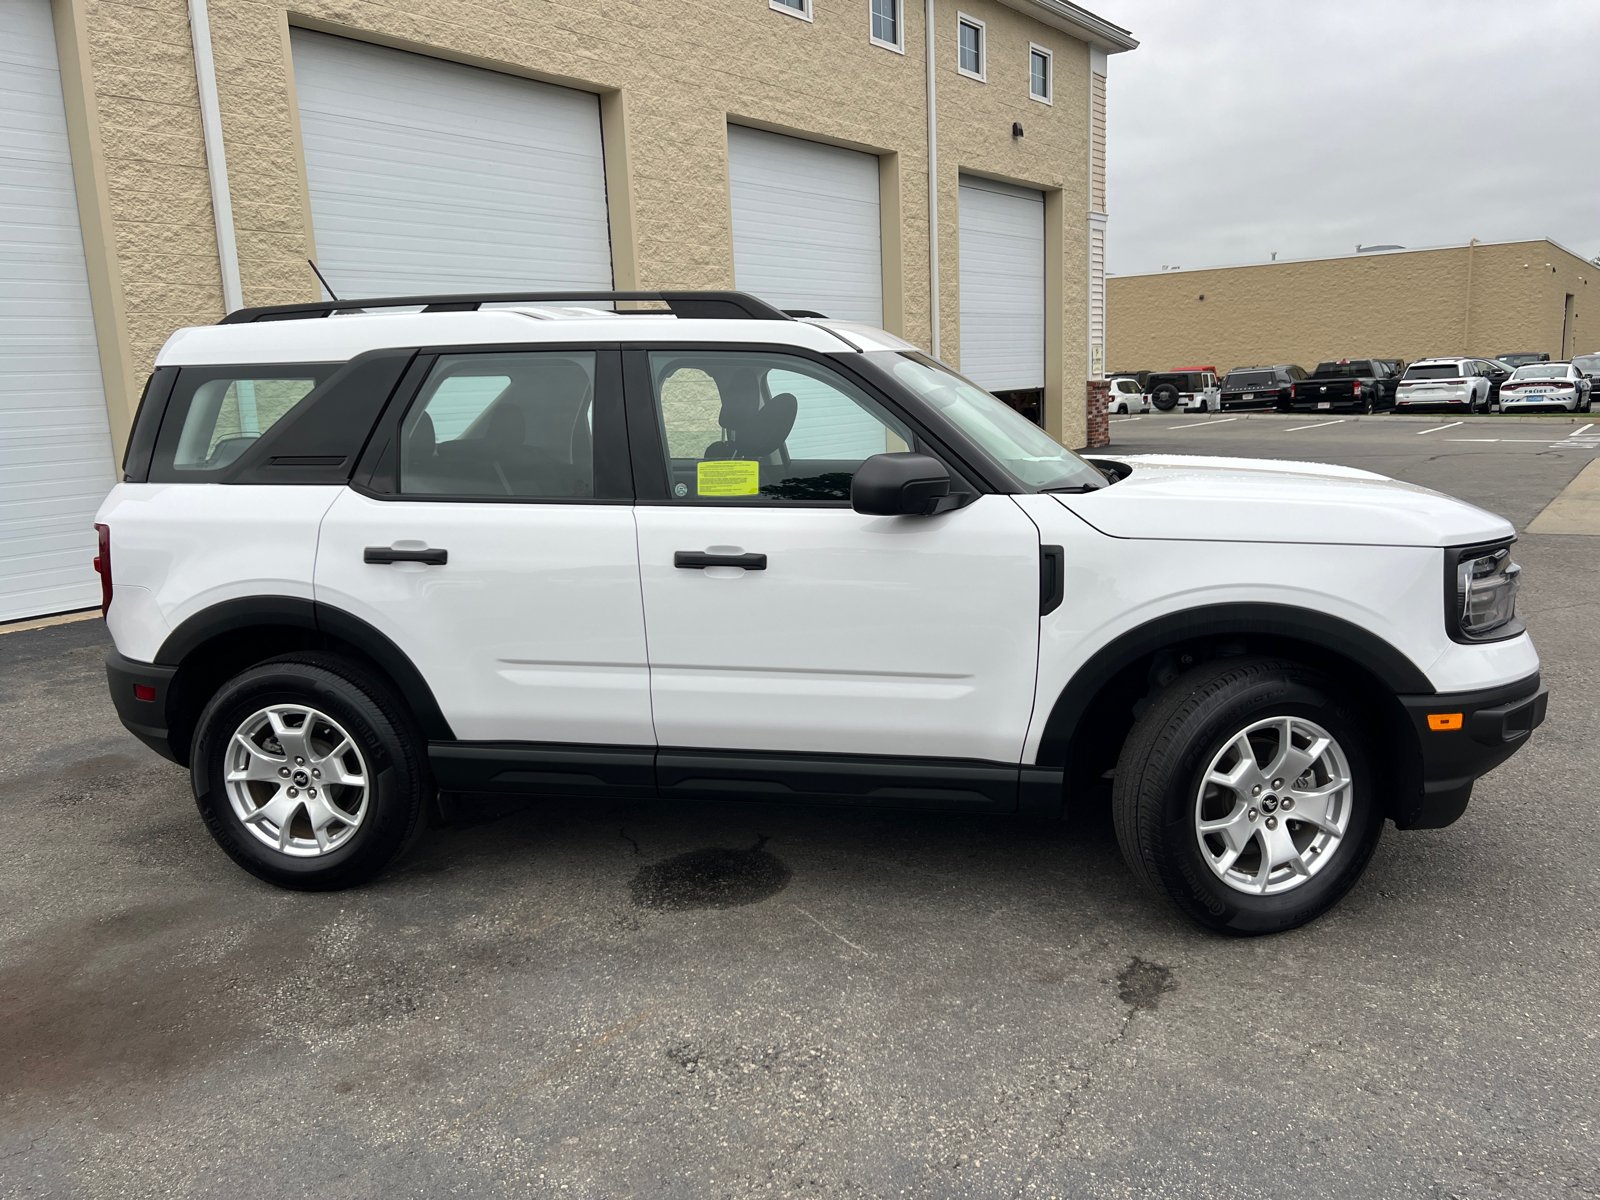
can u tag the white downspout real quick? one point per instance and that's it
(205, 73)
(933, 181)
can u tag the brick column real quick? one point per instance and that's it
(1099, 418)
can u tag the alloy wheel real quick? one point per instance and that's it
(1273, 806)
(296, 780)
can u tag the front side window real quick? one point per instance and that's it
(215, 414)
(1028, 452)
(886, 23)
(1039, 74)
(517, 425)
(970, 33)
(756, 427)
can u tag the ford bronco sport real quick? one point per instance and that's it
(361, 558)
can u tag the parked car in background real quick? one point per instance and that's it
(1127, 397)
(1547, 385)
(1498, 372)
(1589, 364)
(1452, 382)
(1347, 383)
(1392, 371)
(1260, 387)
(1522, 358)
(1195, 388)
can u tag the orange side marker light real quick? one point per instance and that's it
(1440, 722)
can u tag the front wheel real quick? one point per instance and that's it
(1245, 795)
(308, 774)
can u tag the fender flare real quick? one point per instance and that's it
(1368, 651)
(297, 612)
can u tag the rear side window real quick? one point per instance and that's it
(215, 414)
(503, 425)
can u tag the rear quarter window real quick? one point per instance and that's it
(215, 414)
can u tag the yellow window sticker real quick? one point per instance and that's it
(728, 477)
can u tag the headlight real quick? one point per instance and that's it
(1481, 593)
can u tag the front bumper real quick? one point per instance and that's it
(146, 719)
(1470, 734)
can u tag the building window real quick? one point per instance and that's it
(887, 25)
(1039, 67)
(795, 8)
(970, 40)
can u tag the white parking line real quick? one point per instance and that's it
(1198, 424)
(1124, 420)
(1576, 432)
(1436, 428)
(1322, 425)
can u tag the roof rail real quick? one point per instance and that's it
(736, 306)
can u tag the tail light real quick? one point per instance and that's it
(1358, 387)
(102, 566)
(1294, 390)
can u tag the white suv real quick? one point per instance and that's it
(361, 559)
(1451, 381)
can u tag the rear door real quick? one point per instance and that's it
(489, 535)
(798, 648)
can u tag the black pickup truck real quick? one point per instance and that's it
(1358, 384)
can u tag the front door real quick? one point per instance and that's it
(496, 549)
(783, 624)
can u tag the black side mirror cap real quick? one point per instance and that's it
(895, 485)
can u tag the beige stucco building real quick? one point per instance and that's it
(1479, 299)
(189, 156)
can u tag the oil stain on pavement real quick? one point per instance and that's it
(714, 877)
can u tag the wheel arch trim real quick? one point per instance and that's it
(1367, 650)
(231, 616)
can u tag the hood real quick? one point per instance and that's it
(1179, 497)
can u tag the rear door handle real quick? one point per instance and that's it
(694, 560)
(383, 554)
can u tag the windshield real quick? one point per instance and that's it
(1024, 449)
(1543, 371)
(1435, 371)
(1358, 369)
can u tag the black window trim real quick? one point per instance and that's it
(650, 480)
(377, 475)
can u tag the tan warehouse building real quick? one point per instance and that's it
(1479, 300)
(166, 161)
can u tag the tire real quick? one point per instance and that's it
(1366, 406)
(1122, 410)
(1165, 397)
(1192, 729)
(384, 781)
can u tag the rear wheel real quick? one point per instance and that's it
(308, 773)
(1244, 794)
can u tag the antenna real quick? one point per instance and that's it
(331, 293)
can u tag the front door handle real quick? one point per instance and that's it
(383, 554)
(695, 560)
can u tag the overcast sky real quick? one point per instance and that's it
(1240, 127)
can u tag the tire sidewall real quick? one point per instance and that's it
(1213, 901)
(391, 804)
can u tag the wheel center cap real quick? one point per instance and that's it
(301, 779)
(1269, 804)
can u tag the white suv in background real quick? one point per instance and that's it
(363, 558)
(1127, 397)
(1448, 381)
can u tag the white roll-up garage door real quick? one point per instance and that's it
(430, 176)
(1002, 285)
(55, 441)
(805, 225)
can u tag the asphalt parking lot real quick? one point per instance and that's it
(704, 1001)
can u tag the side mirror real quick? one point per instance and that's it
(894, 485)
